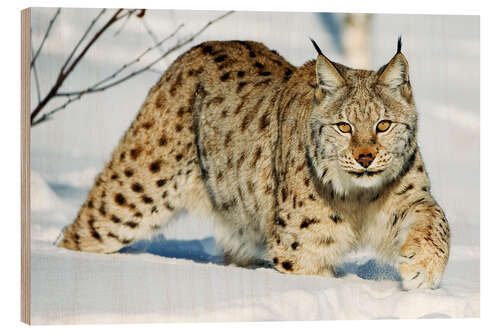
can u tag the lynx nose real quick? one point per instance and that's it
(364, 156)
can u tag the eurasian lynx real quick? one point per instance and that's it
(299, 165)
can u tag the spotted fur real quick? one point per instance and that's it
(234, 130)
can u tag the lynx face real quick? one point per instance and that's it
(363, 124)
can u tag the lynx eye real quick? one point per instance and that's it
(344, 127)
(383, 126)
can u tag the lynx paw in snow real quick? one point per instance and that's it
(420, 268)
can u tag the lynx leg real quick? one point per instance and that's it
(153, 173)
(311, 242)
(114, 217)
(424, 254)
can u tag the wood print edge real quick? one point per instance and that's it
(25, 167)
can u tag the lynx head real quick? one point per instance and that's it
(363, 124)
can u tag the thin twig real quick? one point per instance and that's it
(152, 35)
(94, 21)
(64, 74)
(150, 32)
(122, 26)
(73, 96)
(120, 29)
(35, 73)
(112, 20)
(46, 116)
(175, 48)
(122, 68)
(154, 70)
(146, 68)
(33, 59)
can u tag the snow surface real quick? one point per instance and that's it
(178, 275)
(167, 279)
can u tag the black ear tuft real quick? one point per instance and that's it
(316, 46)
(399, 45)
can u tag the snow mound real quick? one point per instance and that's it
(43, 199)
(78, 178)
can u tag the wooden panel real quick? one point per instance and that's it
(25, 166)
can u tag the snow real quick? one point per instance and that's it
(78, 178)
(160, 289)
(178, 275)
(42, 197)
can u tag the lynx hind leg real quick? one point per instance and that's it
(242, 242)
(121, 210)
(113, 216)
(152, 174)
(133, 199)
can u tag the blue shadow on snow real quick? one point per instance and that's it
(198, 250)
(205, 251)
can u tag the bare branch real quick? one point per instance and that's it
(35, 73)
(152, 35)
(122, 68)
(64, 74)
(112, 20)
(176, 47)
(130, 12)
(154, 70)
(47, 116)
(94, 21)
(33, 59)
(97, 87)
(148, 67)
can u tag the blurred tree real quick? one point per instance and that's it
(355, 37)
(350, 34)
(332, 24)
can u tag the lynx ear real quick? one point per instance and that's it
(395, 73)
(328, 77)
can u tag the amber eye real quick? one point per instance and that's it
(344, 127)
(383, 126)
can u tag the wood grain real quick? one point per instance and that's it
(25, 166)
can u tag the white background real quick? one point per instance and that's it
(11, 164)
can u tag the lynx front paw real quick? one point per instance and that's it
(421, 266)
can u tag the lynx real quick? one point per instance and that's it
(299, 165)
